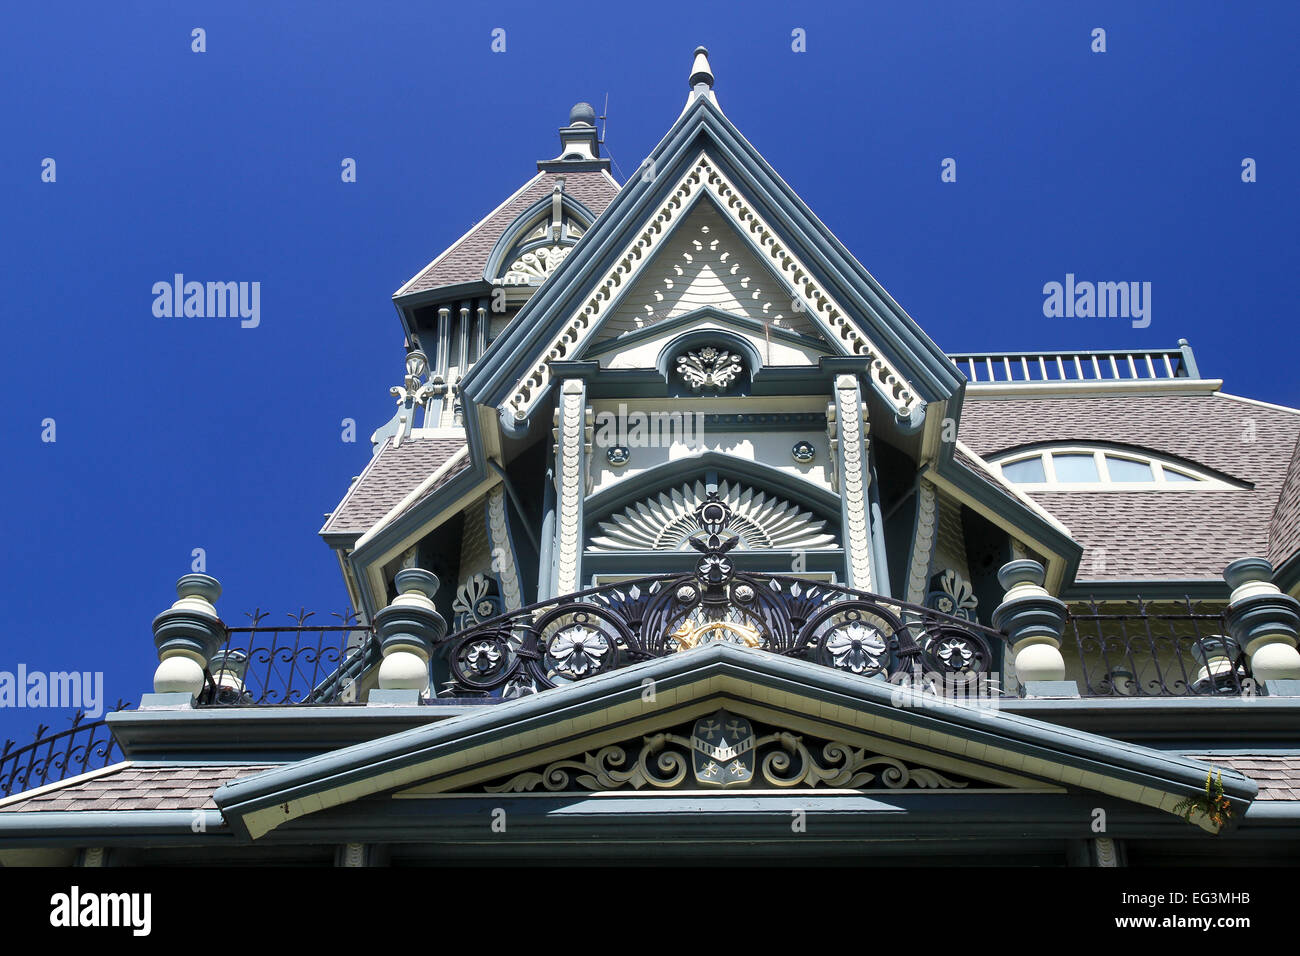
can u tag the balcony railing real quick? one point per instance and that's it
(988, 368)
(297, 663)
(601, 629)
(1144, 649)
(1140, 649)
(48, 759)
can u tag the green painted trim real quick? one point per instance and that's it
(111, 828)
(1013, 512)
(1151, 589)
(352, 766)
(1287, 574)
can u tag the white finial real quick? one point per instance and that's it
(701, 72)
(701, 80)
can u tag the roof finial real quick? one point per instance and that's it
(701, 72)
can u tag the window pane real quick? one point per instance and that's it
(1125, 469)
(1026, 472)
(1075, 468)
(1171, 475)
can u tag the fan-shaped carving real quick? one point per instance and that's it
(665, 521)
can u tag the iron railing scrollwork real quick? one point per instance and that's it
(1148, 649)
(603, 628)
(48, 759)
(298, 663)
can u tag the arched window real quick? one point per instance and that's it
(1102, 468)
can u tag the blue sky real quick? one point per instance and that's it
(175, 434)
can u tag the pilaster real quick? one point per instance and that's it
(570, 485)
(850, 431)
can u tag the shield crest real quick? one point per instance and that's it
(722, 750)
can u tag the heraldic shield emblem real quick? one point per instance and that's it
(722, 750)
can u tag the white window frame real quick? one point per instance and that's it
(1201, 481)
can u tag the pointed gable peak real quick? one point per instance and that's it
(701, 79)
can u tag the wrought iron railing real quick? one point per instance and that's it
(297, 663)
(1104, 365)
(604, 628)
(1148, 649)
(48, 759)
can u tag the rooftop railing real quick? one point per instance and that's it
(48, 759)
(1113, 365)
(1143, 649)
(296, 663)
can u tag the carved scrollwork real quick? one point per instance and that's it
(653, 765)
(533, 268)
(709, 369)
(726, 750)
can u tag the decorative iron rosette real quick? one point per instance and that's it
(484, 658)
(950, 649)
(578, 641)
(853, 636)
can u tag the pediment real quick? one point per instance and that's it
(494, 744)
(727, 750)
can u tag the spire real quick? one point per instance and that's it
(701, 79)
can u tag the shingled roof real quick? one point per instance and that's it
(392, 474)
(465, 259)
(1284, 531)
(1278, 775)
(1155, 534)
(130, 786)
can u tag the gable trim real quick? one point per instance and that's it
(705, 179)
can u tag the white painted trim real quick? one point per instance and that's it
(373, 569)
(450, 431)
(1255, 401)
(415, 493)
(1094, 389)
(1014, 491)
(1099, 452)
(704, 179)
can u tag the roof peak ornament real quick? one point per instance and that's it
(701, 72)
(701, 78)
(579, 144)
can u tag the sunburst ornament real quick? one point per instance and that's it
(667, 520)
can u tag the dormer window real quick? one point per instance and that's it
(1102, 468)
